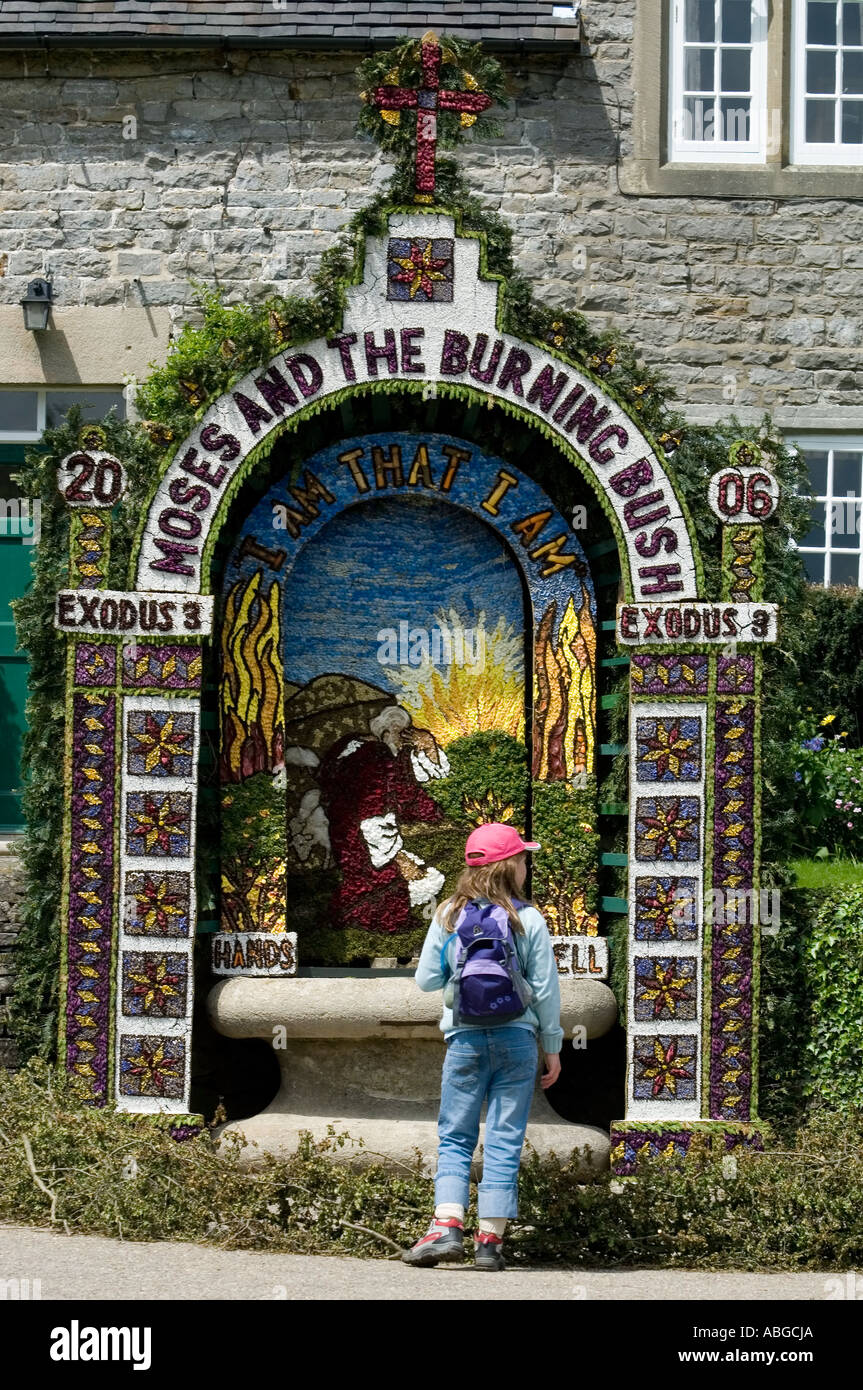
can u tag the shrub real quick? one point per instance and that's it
(831, 673)
(829, 784)
(834, 967)
(811, 1031)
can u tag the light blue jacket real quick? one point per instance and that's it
(538, 966)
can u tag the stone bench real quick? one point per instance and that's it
(363, 1052)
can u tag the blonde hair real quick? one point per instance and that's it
(493, 881)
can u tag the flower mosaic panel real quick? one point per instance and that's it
(154, 984)
(152, 1065)
(665, 1066)
(95, 663)
(337, 701)
(668, 749)
(743, 547)
(669, 675)
(88, 549)
(734, 829)
(666, 988)
(159, 743)
(158, 823)
(154, 980)
(633, 1145)
(667, 742)
(735, 675)
(163, 667)
(156, 904)
(668, 828)
(731, 963)
(666, 909)
(91, 874)
(420, 269)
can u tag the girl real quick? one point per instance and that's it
(497, 1062)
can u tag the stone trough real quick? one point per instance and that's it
(363, 1052)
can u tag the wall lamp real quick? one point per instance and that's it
(37, 305)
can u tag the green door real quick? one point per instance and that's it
(16, 557)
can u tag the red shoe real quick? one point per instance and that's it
(443, 1243)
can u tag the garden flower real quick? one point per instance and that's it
(828, 720)
(798, 776)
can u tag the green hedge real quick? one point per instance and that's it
(833, 962)
(811, 1034)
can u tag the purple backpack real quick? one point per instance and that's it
(487, 984)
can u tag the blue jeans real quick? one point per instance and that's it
(499, 1063)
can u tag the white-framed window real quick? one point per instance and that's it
(827, 82)
(27, 411)
(831, 549)
(718, 81)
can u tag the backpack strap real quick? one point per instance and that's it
(448, 937)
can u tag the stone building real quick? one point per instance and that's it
(690, 171)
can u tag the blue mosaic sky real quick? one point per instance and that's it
(351, 584)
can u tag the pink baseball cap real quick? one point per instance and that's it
(490, 843)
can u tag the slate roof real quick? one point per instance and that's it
(282, 23)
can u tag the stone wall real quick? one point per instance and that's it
(11, 896)
(130, 173)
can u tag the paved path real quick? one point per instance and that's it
(96, 1267)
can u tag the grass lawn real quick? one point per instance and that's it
(826, 873)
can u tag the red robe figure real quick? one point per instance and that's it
(370, 784)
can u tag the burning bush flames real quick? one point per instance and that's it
(252, 693)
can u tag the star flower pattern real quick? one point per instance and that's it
(158, 824)
(160, 744)
(157, 904)
(665, 909)
(667, 827)
(154, 985)
(152, 1066)
(669, 750)
(665, 988)
(665, 1068)
(420, 269)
